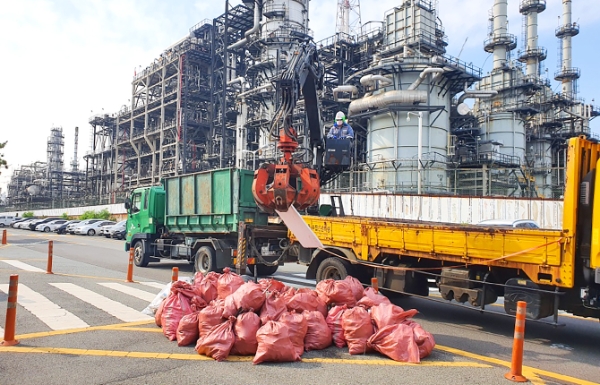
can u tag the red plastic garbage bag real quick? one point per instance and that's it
(208, 286)
(249, 296)
(197, 279)
(245, 329)
(397, 342)
(273, 307)
(372, 298)
(318, 335)
(297, 328)
(158, 314)
(176, 306)
(229, 308)
(197, 303)
(218, 343)
(208, 318)
(423, 338)
(337, 292)
(307, 300)
(187, 331)
(288, 293)
(228, 283)
(274, 344)
(357, 326)
(270, 284)
(386, 314)
(357, 288)
(334, 322)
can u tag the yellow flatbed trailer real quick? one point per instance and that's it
(549, 269)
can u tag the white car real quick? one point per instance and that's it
(24, 224)
(109, 231)
(50, 226)
(91, 229)
(71, 228)
(518, 224)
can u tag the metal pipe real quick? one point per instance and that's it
(372, 79)
(476, 94)
(253, 30)
(385, 99)
(423, 75)
(267, 87)
(344, 88)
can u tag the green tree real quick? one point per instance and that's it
(2, 160)
(27, 214)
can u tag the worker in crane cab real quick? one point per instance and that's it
(340, 129)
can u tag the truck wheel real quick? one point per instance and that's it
(139, 255)
(205, 261)
(263, 269)
(333, 268)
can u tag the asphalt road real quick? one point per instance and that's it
(472, 347)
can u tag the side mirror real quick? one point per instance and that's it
(127, 203)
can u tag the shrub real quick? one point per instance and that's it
(27, 214)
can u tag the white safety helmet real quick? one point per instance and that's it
(340, 116)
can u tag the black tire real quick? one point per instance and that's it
(263, 270)
(205, 260)
(91, 232)
(333, 268)
(139, 254)
(1, 224)
(46, 229)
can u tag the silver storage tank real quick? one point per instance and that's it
(392, 141)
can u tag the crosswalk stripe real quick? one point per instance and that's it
(117, 309)
(141, 294)
(157, 285)
(22, 266)
(47, 311)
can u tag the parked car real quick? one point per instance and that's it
(24, 224)
(62, 229)
(17, 221)
(519, 223)
(33, 224)
(71, 227)
(6, 220)
(116, 227)
(119, 234)
(91, 229)
(50, 226)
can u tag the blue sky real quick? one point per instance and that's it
(66, 60)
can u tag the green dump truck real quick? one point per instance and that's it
(206, 218)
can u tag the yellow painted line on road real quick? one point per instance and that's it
(197, 357)
(120, 326)
(153, 330)
(388, 362)
(527, 370)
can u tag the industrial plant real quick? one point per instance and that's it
(424, 121)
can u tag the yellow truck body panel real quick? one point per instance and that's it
(538, 252)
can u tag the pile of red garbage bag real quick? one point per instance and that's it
(224, 315)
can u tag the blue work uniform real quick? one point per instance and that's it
(341, 131)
